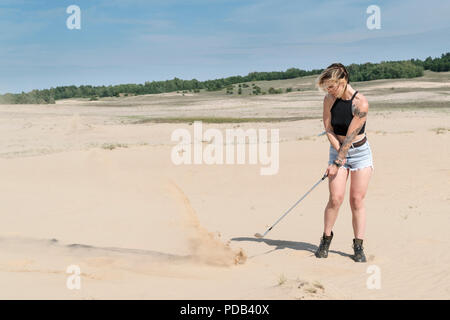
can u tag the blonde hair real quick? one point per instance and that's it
(333, 73)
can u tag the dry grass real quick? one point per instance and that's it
(282, 279)
(440, 130)
(112, 146)
(318, 285)
(190, 120)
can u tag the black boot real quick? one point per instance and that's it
(359, 251)
(322, 251)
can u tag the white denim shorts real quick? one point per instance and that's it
(357, 158)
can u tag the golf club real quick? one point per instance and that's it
(258, 235)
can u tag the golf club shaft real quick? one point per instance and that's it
(295, 204)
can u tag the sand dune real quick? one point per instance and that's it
(81, 188)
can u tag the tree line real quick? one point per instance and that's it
(441, 64)
(358, 72)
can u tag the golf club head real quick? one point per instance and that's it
(258, 235)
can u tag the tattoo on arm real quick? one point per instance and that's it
(357, 112)
(349, 138)
(348, 141)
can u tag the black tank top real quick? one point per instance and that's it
(341, 116)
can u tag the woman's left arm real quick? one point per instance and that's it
(361, 108)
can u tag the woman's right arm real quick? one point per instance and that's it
(327, 103)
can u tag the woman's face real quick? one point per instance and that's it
(336, 89)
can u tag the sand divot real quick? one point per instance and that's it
(203, 245)
(44, 256)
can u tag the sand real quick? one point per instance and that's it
(82, 187)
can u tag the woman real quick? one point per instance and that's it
(344, 117)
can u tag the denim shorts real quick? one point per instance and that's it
(357, 158)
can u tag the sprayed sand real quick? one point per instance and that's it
(204, 245)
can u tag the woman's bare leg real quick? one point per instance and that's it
(358, 189)
(336, 186)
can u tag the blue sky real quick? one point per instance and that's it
(133, 41)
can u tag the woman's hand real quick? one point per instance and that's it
(332, 170)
